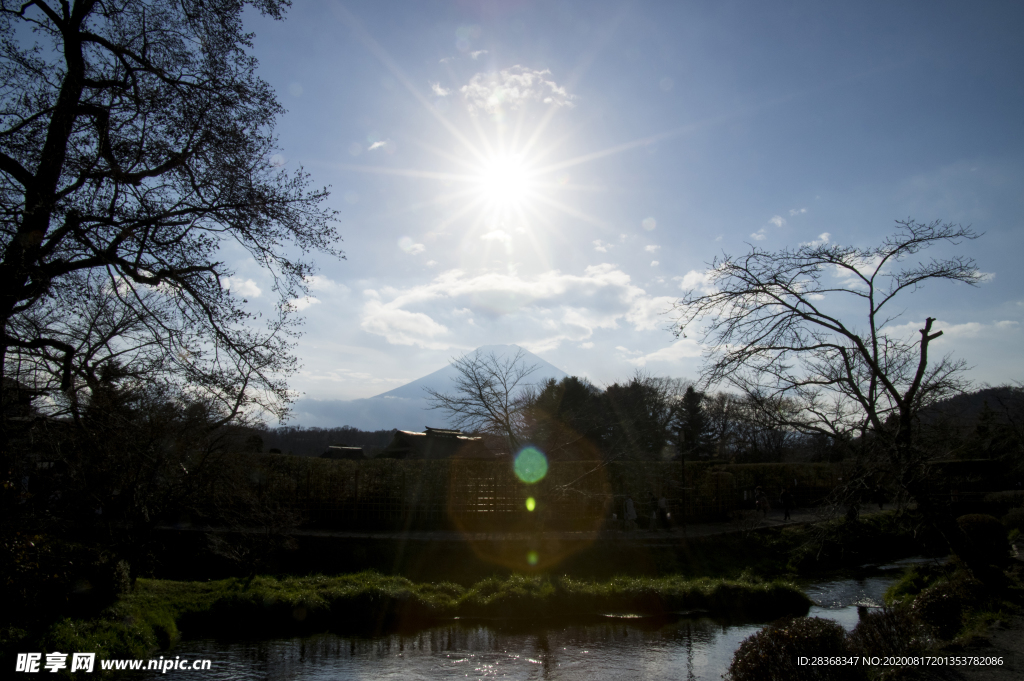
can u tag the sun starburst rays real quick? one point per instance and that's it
(502, 171)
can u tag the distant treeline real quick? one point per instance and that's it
(659, 419)
(313, 441)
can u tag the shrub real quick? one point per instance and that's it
(1014, 520)
(941, 608)
(915, 580)
(1002, 502)
(889, 632)
(771, 654)
(986, 538)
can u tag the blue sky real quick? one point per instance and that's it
(548, 174)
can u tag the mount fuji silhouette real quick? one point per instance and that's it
(406, 407)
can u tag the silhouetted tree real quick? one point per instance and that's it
(491, 395)
(564, 418)
(692, 425)
(761, 433)
(142, 454)
(638, 416)
(135, 141)
(813, 326)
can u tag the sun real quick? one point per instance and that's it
(504, 181)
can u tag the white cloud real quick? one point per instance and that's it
(986, 277)
(497, 235)
(796, 211)
(477, 54)
(539, 312)
(822, 239)
(649, 314)
(759, 235)
(684, 348)
(387, 145)
(513, 88)
(967, 330)
(431, 263)
(654, 263)
(319, 282)
(777, 220)
(246, 288)
(587, 346)
(696, 280)
(649, 224)
(303, 303)
(401, 327)
(439, 91)
(600, 246)
(652, 248)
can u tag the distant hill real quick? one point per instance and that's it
(406, 407)
(968, 407)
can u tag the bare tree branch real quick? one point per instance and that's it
(491, 394)
(778, 326)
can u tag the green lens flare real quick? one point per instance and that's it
(532, 557)
(531, 465)
(531, 503)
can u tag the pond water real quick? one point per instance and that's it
(612, 648)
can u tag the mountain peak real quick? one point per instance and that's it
(406, 407)
(442, 379)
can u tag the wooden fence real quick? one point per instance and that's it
(485, 496)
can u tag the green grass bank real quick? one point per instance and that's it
(159, 612)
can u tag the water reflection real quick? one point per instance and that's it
(687, 648)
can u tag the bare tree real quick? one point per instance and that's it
(491, 394)
(135, 141)
(815, 325)
(761, 432)
(143, 342)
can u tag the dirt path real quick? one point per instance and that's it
(1007, 642)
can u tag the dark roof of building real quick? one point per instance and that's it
(343, 452)
(436, 443)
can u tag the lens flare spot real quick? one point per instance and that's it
(531, 503)
(532, 557)
(531, 465)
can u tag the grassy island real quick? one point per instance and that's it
(158, 612)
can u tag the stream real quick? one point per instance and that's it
(610, 648)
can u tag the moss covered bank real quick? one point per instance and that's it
(158, 612)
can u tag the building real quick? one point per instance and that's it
(435, 444)
(343, 452)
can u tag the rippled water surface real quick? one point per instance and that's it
(685, 648)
